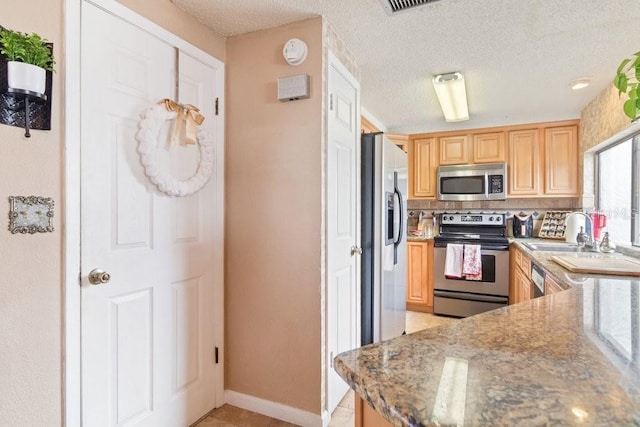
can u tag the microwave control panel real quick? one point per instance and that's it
(496, 184)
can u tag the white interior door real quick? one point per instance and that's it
(148, 335)
(343, 213)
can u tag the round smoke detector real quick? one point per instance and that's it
(294, 51)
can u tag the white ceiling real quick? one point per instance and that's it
(518, 56)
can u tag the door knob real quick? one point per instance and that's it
(98, 277)
(356, 250)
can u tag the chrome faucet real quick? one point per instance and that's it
(591, 243)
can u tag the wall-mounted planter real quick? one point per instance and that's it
(24, 108)
(26, 77)
(25, 86)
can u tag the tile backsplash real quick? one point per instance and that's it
(537, 207)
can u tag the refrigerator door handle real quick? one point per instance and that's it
(397, 242)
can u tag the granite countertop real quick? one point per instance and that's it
(570, 358)
(418, 238)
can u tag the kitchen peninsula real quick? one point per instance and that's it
(569, 358)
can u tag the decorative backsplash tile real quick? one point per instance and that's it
(536, 207)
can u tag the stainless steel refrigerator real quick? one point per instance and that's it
(383, 236)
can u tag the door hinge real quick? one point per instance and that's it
(331, 102)
(216, 354)
(331, 359)
(217, 106)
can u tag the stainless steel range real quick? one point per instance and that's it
(462, 297)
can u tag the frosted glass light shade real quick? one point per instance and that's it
(452, 96)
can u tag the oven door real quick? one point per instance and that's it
(495, 272)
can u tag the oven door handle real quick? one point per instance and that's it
(483, 246)
(397, 242)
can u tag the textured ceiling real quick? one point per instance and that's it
(518, 56)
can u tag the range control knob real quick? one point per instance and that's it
(490, 219)
(451, 218)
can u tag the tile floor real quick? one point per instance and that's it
(343, 416)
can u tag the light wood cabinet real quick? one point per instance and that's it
(489, 148)
(366, 416)
(520, 284)
(561, 161)
(543, 162)
(550, 285)
(401, 141)
(366, 126)
(420, 276)
(542, 158)
(423, 160)
(454, 150)
(524, 162)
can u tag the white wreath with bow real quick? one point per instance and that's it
(151, 124)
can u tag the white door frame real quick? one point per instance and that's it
(71, 357)
(334, 62)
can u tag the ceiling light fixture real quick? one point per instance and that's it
(452, 95)
(580, 83)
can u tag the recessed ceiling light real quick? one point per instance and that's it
(580, 83)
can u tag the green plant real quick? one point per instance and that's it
(28, 48)
(627, 80)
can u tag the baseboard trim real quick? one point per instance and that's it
(326, 418)
(275, 410)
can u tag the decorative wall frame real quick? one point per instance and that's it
(32, 214)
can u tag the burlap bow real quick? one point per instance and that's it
(188, 114)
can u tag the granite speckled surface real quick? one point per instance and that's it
(570, 358)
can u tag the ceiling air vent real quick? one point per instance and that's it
(393, 6)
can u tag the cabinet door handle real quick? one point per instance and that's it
(356, 250)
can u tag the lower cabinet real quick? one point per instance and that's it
(366, 416)
(520, 284)
(550, 285)
(420, 276)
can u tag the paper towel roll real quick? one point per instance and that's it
(573, 224)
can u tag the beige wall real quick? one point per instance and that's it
(273, 221)
(31, 268)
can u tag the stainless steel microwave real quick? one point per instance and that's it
(473, 182)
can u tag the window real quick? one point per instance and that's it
(618, 186)
(616, 320)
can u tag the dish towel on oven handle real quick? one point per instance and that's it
(453, 261)
(472, 264)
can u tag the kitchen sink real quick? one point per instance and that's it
(553, 247)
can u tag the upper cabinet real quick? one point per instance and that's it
(542, 158)
(423, 164)
(454, 150)
(366, 126)
(524, 162)
(489, 148)
(561, 161)
(543, 161)
(486, 147)
(401, 141)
